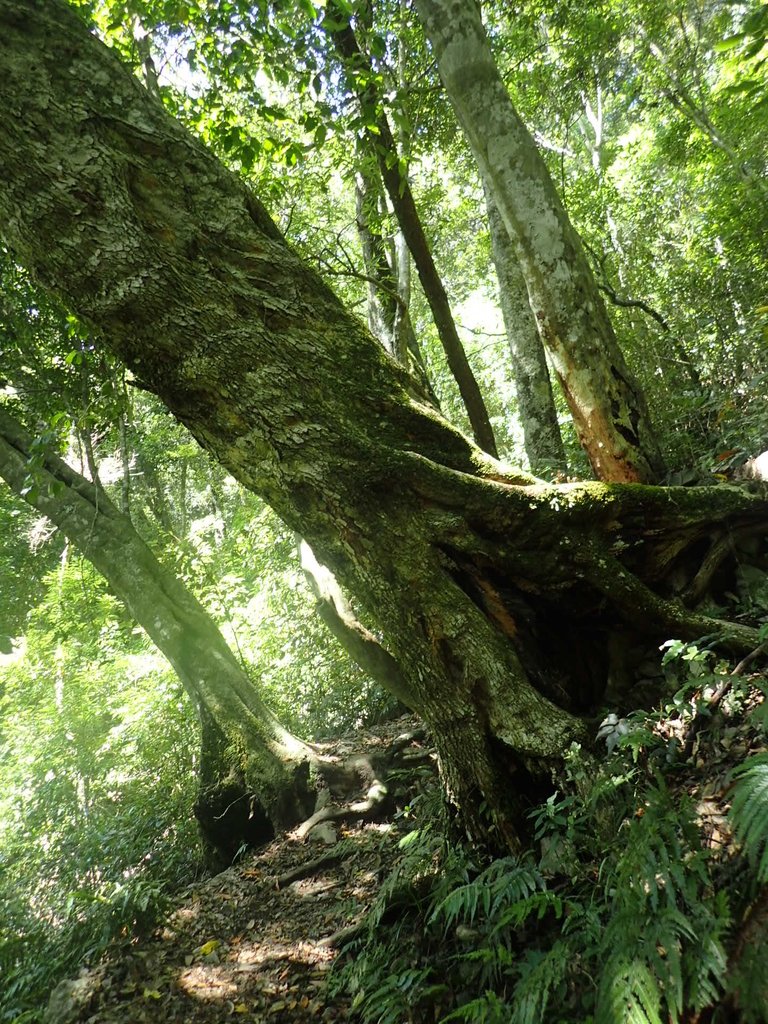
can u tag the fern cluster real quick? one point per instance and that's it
(749, 812)
(620, 918)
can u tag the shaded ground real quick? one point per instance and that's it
(250, 944)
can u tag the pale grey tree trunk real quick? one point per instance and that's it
(389, 317)
(231, 711)
(607, 406)
(535, 401)
(386, 311)
(335, 610)
(125, 464)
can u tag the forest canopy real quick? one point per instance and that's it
(360, 359)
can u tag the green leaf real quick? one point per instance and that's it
(749, 812)
(321, 133)
(729, 43)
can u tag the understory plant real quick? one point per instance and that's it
(621, 912)
(96, 785)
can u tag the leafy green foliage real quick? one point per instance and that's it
(97, 741)
(95, 788)
(620, 918)
(504, 891)
(749, 812)
(629, 992)
(667, 195)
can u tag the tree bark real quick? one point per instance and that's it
(246, 754)
(383, 299)
(607, 406)
(494, 593)
(535, 402)
(125, 465)
(361, 645)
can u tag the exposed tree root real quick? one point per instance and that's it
(704, 714)
(722, 546)
(311, 867)
(377, 771)
(344, 935)
(361, 810)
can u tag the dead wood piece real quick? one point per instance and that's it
(722, 546)
(416, 758)
(749, 658)
(720, 691)
(405, 739)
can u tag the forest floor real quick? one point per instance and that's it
(254, 943)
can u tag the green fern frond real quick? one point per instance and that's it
(629, 994)
(749, 812)
(491, 965)
(537, 904)
(707, 972)
(384, 1003)
(748, 982)
(540, 974)
(666, 923)
(487, 1009)
(506, 882)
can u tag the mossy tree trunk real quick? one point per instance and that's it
(493, 592)
(253, 772)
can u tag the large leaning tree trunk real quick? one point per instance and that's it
(253, 772)
(608, 408)
(494, 593)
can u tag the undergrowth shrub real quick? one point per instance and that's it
(96, 785)
(618, 915)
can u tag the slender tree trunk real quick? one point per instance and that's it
(182, 517)
(359, 71)
(125, 466)
(247, 754)
(695, 110)
(388, 298)
(384, 302)
(606, 404)
(535, 401)
(84, 435)
(495, 594)
(153, 487)
(334, 609)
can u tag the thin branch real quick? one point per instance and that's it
(626, 303)
(334, 272)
